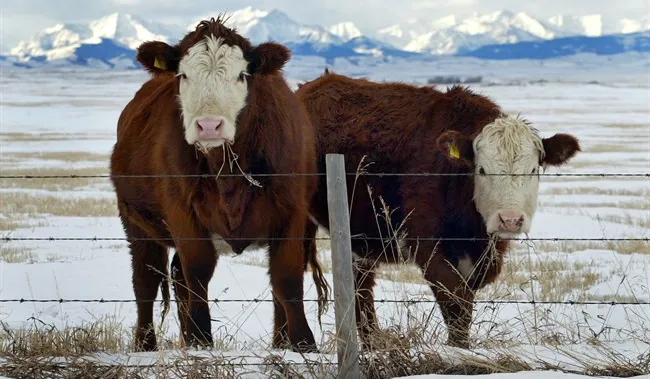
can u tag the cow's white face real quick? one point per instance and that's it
(507, 203)
(212, 92)
(505, 158)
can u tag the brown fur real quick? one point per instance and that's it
(406, 129)
(273, 136)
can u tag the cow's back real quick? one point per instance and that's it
(373, 118)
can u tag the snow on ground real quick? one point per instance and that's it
(52, 124)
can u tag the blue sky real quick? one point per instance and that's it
(23, 18)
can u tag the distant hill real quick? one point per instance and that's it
(561, 47)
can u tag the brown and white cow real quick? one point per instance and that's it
(401, 128)
(215, 105)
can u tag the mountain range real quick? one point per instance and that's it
(111, 40)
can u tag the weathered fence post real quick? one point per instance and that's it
(344, 298)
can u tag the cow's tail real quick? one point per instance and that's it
(164, 290)
(322, 287)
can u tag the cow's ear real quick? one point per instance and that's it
(457, 147)
(559, 149)
(157, 57)
(268, 58)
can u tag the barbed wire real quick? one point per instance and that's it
(379, 301)
(295, 174)
(357, 237)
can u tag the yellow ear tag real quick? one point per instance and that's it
(453, 151)
(159, 64)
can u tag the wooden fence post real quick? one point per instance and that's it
(344, 297)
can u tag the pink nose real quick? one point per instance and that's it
(511, 221)
(209, 128)
(209, 124)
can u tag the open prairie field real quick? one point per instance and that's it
(64, 124)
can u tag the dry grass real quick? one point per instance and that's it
(43, 351)
(54, 184)
(623, 204)
(621, 247)
(66, 156)
(26, 137)
(549, 279)
(619, 148)
(33, 205)
(12, 222)
(15, 254)
(595, 191)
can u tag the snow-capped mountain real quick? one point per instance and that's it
(261, 25)
(345, 30)
(451, 34)
(62, 40)
(111, 40)
(594, 25)
(561, 47)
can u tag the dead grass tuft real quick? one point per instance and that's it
(32, 205)
(55, 184)
(66, 156)
(596, 191)
(621, 247)
(41, 339)
(27, 137)
(15, 254)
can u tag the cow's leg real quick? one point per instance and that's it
(181, 294)
(286, 269)
(280, 330)
(149, 264)
(364, 272)
(454, 297)
(198, 260)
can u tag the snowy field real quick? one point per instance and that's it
(64, 123)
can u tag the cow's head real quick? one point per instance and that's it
(214, 66)
(507, 146)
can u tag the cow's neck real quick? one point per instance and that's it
(222, 204)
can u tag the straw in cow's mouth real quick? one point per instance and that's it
(232, 159)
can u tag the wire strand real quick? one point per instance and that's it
(380, 301)
(294, 174)
(436, 239)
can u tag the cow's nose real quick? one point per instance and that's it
(209, 124)
(511, 221)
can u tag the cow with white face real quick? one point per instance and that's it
(456, 227)
(214, 100)
(212, 91)
(213, 67)
(506, 157)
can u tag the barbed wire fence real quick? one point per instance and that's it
(340, 238)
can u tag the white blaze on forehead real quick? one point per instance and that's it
(507, 146)
(213, 89)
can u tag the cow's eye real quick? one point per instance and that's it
(481, 171)
(243, 75)
(182, 75)
(534, 171)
